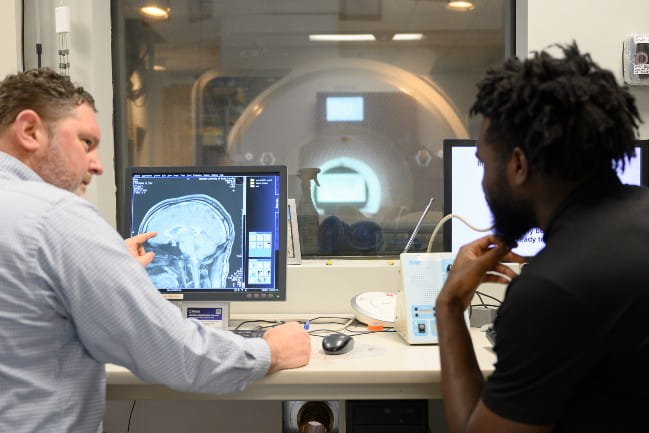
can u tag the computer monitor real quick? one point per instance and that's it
(463, 194)
(221, 230)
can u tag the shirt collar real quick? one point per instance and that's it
(17, 169)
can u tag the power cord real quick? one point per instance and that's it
(441, 222)
(128, 427)
(344, 322)
(268, 324)
(493, 298)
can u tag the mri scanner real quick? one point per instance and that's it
(380, 158)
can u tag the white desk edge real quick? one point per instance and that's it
(381, 366)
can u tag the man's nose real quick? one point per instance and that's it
(95, 165)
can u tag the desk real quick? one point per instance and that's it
(381, 366)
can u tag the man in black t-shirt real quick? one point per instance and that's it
(572, 340)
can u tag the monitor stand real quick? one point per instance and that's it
(211, 313)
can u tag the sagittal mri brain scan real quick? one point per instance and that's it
(193, 245)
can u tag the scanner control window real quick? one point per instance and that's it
(354, 97)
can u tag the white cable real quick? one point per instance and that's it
(62, 28)
(342, 328)
(446, 218)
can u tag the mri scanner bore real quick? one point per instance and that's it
(194, 242)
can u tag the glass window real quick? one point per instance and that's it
(354, 96)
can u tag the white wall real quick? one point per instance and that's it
(89, 42)
(10, 37)
(598, 26)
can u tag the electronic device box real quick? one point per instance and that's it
(422, 276)
(635, 59)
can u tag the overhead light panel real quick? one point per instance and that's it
(348, 37)
(154, 10)
(408, 37)
(460, 5)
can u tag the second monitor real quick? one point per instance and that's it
(463, 194)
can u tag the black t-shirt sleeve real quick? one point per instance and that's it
(544, 349)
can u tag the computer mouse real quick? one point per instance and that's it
(337, 344)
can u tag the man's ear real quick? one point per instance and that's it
(29, 130)
(519, 168)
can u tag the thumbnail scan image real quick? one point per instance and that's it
(193, 245)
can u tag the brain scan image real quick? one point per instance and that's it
(193, 245)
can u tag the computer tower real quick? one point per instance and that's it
(386, 416)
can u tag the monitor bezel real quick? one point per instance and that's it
(219, 295)
(449, 143)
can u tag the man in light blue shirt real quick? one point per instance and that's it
(71, 296)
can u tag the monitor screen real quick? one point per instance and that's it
(345, 109)
(340, 189)
(221, 230)
(463, 194)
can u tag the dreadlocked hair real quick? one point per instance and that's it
(568, 115)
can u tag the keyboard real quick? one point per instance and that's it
(250, 333)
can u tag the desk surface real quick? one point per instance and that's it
(381, 366)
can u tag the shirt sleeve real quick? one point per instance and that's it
(121, 318)
(544, 349)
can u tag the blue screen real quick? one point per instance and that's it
(217, 231)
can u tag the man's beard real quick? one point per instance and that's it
(53, 168)
(512, 218)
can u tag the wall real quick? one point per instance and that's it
(598, 26)
(89, 42)
(10, 31)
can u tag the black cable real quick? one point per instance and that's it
(316, 332)
(330, 317)
(128, 427)
(486, 305)
(479, 295)
(490, 297)
(39, 51)
(270, 322)
(387, 331)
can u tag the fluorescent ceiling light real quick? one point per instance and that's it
(407, 37)
(342, 37)
(460, 5)
(155, 12)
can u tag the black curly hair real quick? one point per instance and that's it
(568, 115)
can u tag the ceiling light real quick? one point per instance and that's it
(407, 37)
(155, 11)
(460, 5)
(342, 37)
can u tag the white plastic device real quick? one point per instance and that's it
(373, 308)
(635, 59)
(422, 276)
(62, 19)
